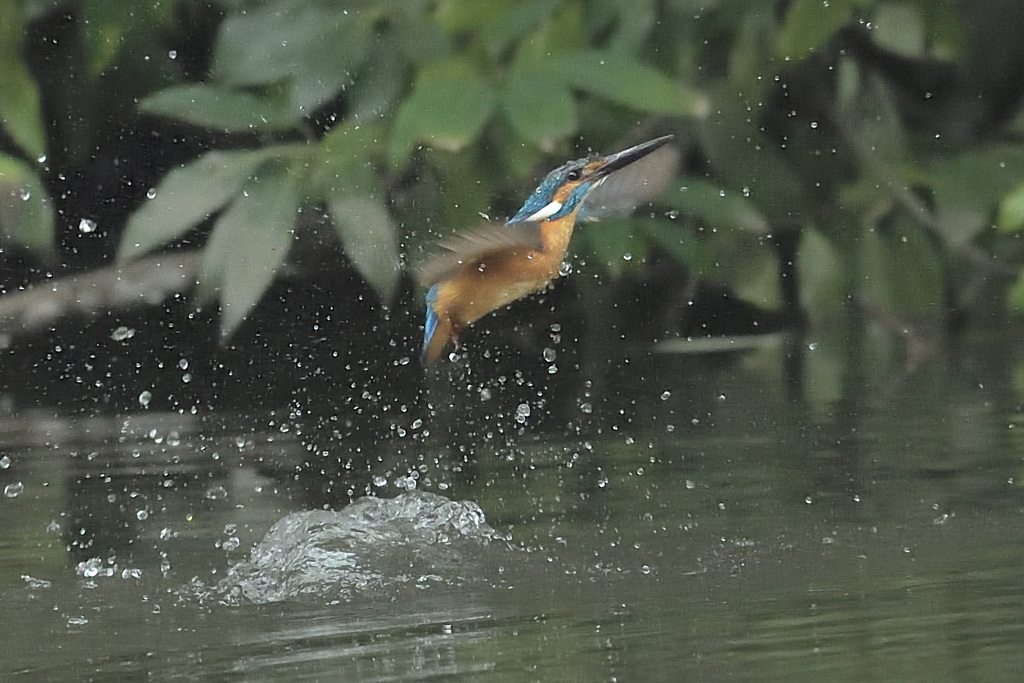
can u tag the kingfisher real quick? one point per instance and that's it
(481, 270)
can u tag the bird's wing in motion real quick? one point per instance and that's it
(475, 246)
(640, 182)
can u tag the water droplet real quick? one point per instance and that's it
(549, 355)
(565, 268)
(122, 333)
(586, 408)
(25, 194)
(216, 492)
(34, 583)
(14, 489)
(183, 364)
(808, 500)
(666, 395)
(151, 193)
(131, 573)
(142, 515)
(522, 412)
(86, 226)
(172, 54)
(144, 398)
(231, 543)
(5, 462)
(380, 481)
(93, 567)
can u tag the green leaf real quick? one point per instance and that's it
(757, 282)
(541, 109)
(187, 196)
(249, 243)
(110, 30)
(25, 207)
(820, 275)
(314, 47)
(899, 28)
(20, 111)
(457, 16)
(680, 243)
(968, 186)
(448, 107)
(381, 83)
(563, 31)
(743, 156)
(345, 162)
(749, 55)
(624, 80)
(1015, 297)
(416, 34)
(811, 23)
(717, 207)
(614, 244)
(514, 23)
(900, 267)
(1011, 211)
(632, 28)
(370, 238)
(219, 108)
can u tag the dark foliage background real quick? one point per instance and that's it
(845, 163)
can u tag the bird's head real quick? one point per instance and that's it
(563, 190)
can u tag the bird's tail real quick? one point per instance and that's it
(437, 332)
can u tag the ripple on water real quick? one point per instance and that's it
(373, 545)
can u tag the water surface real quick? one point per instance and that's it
(700, 523)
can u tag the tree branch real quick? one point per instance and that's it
(146, 282)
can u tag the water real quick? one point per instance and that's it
(698, 524)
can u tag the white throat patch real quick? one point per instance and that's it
(548, 211)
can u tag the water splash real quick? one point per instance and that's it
(372, 546)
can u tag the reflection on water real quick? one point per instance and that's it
(695, 523)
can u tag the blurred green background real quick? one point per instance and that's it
(852, 157)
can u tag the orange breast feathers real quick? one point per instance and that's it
(487, 268)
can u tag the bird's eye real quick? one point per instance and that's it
(573, 175)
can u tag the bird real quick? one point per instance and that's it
(481, 270)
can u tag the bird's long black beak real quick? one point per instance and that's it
(614, 162)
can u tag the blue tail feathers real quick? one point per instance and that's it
(430, 327)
